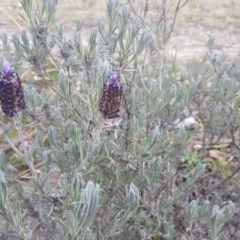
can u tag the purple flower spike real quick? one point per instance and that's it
(11, 92)
(111, 97)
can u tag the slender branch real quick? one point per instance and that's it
(220, 183)
(54, 62)
(91, 148)
(145, 10)
(10, 235)
(52, 86)
(232, 132)
(27, 157)
(152, 38)
(12, 19)
(16, 142)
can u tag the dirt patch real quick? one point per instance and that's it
(195, 22)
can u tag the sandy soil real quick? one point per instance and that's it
(195, 22)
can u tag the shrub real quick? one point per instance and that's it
(107, 119)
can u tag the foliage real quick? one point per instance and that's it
(118, 178)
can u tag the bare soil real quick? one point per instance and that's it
(195, 22)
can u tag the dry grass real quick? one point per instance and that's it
(195, 22)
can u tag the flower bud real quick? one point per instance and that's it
(11, 91)
(111, 97)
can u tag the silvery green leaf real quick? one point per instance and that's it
(25, 41)
(205, 211)
(143, 42)
(192, 212)
(93, 41)
(76, 186)
(112, 45)
(31, 97)
(35, 230)
(151, 139)
(87, 207)
(14, 147)
(27, 6)
(10, 215)
(78, 43)
(199, 171)
(64, 84)
(101, 30)
(35, 143)
(88, 234)
(79, 25)
(112, 10)
(44, 96)
(170, 229)
(211, 41)
(165, 204)
(52, 135)
(47, 156)
(11, 236)
(177, 193)
(3, 189)
(136, 29)
(19, 216)
(52, 42)
(104, 68)
(17, 46)
(71, 222)
(124, 18)
(156, 165)
(5, 42)
(132, 194)
(60, 32)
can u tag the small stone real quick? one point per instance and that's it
(190, 123)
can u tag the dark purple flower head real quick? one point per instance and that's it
(111, 97)
(11, 92)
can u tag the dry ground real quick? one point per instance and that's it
(195, 22)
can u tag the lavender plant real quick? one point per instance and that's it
(108, 119)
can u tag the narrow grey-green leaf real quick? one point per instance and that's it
(14, 147)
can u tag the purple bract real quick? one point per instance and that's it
(7, 70)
